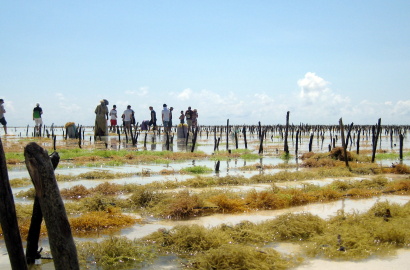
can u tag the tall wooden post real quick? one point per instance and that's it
(297, 143)
(342, 133)
(42, 175)
(8, 218)
(401, 146)
(227, 134)
(311, 141)
(375, 138)
(286, 147)
(358, 141)
(35, 225)
(244, 137)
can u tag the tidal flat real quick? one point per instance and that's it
(156, 204)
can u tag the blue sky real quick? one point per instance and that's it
(246, 61)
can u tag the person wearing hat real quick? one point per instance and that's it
(165, 117)
(101, 118)
(113, 118)
(2, 119)
(37, 112)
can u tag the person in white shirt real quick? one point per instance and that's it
(126, 117)
(113, 118)
(165, 117)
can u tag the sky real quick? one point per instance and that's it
(246, 61)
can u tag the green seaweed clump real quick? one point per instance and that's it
(114, 253)
(299, 227)
(197, 169)
(358, 236)
(241, 257)
(188, 240)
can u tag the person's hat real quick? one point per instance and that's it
(37, 104)
(164, 105)
(115, 106)
(129, 106)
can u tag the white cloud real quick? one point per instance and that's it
(312, 87)
(401, 108)
(60, 96)
(185, 94)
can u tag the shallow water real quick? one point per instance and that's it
(227, 167)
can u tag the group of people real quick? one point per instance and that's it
(103, 114)
(191, 118)
(37, 112)
(128, 117)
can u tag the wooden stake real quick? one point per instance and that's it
(8, 218)
(42, 175)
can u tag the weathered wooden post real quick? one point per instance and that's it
(375, 138)
(342, 133)
(132, 136)
(194, 139)
(261, 141)
(348, 134)
(42, 175)
(236, 140)
(244, 137)
(358, 141)
(286, 147)
(217, 143)
(297, 143)
(8, 218)
(227, 133)
(401, 137)
(186, 140)
(391, 138)
(35, 225)
(79, 138)
(310, 142)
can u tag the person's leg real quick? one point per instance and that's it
(189, 122)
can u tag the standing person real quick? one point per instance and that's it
(37, 112)
(153, 119)
(127, 118)
(165, 117)
(101, 118)
(182, 117)
(170, 118)
(113, 118)
(2, 119)
(194, 118)
(188, 115)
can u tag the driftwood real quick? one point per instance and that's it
(33, 237)
(8, 218)
(42, 175)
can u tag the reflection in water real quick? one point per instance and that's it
(182, 146)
